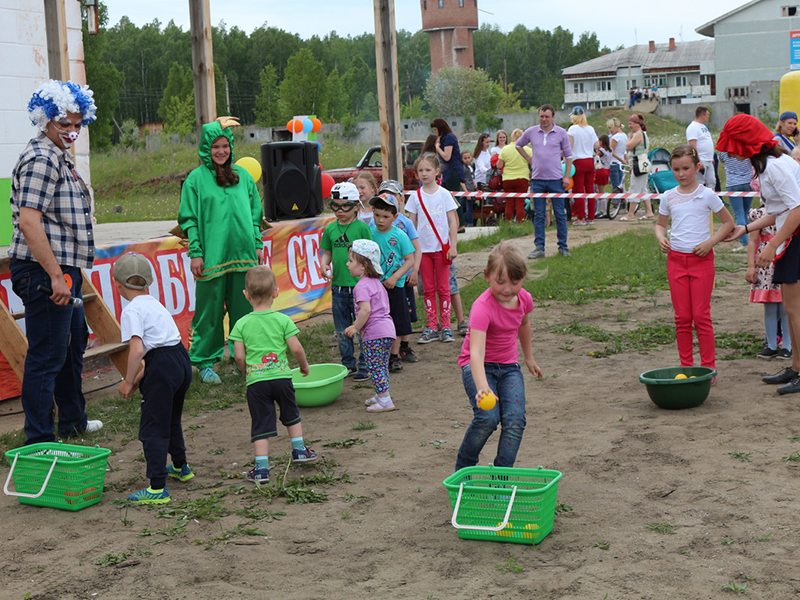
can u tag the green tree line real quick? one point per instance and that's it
(144, 74)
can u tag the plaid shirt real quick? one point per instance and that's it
(45, 179)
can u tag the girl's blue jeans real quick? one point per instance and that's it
(505, 380)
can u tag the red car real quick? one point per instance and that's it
(372, 160)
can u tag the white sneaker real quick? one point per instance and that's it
(92, 426)
(383, 404)
(371, 401)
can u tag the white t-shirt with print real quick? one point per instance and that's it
(689, 214)
(438, 204)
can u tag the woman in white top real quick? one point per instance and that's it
(500, 141)
(637, 144)
(779, 177)
(481, 158)
(617, 141)
(582, 139)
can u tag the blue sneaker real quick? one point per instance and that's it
(183, 474)
(447, 335)
(306, 455)
(258, 475)
(428, 336)
(150, 496)
(362, 376)
(208, 375)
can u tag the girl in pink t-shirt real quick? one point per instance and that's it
(372, 319)
(489, 359)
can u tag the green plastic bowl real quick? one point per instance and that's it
(322, 386)
(667, 392)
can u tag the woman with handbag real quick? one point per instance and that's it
(638, 146)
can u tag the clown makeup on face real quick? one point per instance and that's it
(64, 132)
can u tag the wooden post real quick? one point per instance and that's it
(55, 19)
(205, 107)
(388, 90)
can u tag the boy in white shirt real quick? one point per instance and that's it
(166, 377)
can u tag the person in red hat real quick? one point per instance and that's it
(778, 174)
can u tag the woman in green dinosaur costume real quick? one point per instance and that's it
(221, 214)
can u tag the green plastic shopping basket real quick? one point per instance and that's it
(503, 504)
(57, 475)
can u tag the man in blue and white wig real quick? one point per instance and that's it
(53, 241)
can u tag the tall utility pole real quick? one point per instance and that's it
(388, 90)
(205, 107)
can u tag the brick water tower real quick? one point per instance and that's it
(450, 24)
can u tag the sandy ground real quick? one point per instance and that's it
(387, 532)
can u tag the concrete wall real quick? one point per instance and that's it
(684, 113)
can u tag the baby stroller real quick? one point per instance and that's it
(660, 178)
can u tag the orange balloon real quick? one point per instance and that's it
(317, 125)
(571, 183)
(295, 126)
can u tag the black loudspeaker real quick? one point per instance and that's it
(292, 180)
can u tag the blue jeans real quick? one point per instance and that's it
(505, 380)
(552, 186)
(57, 337)
(344, 313)
(616, 176)
(740, 206)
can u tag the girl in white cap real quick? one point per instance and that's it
(372, 319)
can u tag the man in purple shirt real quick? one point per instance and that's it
(549, 143)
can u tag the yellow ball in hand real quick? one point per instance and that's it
(487, 401)
(680, 376)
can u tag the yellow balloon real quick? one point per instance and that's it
(251, 165)
(680, 376)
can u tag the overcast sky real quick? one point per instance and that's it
(614, 21)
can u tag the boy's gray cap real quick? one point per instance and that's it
(392, 186)
(133, 265)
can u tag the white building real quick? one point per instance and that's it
(755, 47)
(32, 39)
(682, 72)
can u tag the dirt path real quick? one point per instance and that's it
(716, 473)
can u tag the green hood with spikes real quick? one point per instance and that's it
(211, 131)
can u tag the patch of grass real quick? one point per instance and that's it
(601, 545)
(765, 538)
(109, 560)
(512, 566)
(735, 587)
(348, 443)
(256, 513)
(742, 456)
(562, 508)
(793, 457)
(319, 343)
(744, 345)
(666, 527)
(364, 426)
(504, 231)
(645, 337)
(726, 541)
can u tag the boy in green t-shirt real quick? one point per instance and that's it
(336, 240)
(260, 340)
